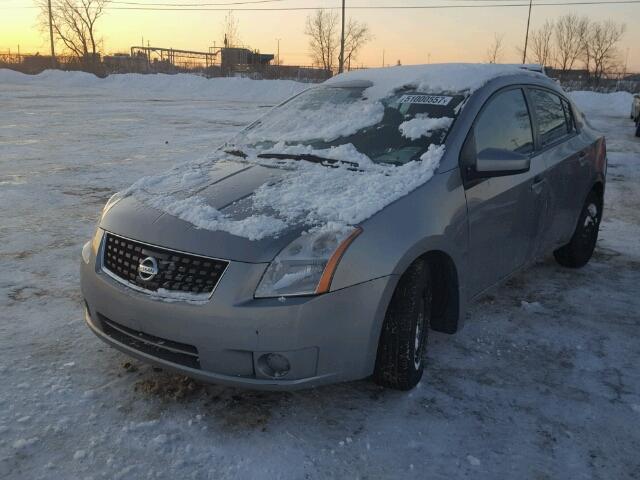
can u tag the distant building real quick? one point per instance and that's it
(239, 59)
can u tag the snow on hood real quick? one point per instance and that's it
(310, 194)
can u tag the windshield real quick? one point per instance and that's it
(397, 129)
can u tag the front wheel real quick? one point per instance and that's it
(578, 251)
(403, 341)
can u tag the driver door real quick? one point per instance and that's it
(505, 213)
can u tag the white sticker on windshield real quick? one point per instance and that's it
(426, 99)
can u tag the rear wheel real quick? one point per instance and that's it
(638, 127)
(579, 250)
(403, 341)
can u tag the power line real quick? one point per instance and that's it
(476, 4)
(247, 2)
(394, 7)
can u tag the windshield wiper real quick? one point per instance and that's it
(237, 153)
(308, 157)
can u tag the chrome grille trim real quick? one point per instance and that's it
(178, 295)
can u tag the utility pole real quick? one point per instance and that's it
(383, 57)
(341, 67)
(53, 52)
(526, 38)
(278, 57)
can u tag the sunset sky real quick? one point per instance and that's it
(411, 36)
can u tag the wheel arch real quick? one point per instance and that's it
(445, 314)
(448, 298)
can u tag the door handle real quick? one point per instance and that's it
(582, 154)
(536, 186)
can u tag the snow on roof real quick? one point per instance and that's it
(432, 78)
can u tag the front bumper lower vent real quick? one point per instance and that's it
(168, 350)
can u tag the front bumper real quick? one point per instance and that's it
(327, 338)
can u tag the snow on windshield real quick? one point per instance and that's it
(422, 124)
(319, 113)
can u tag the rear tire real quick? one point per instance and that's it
(578, 251)
(403, 341)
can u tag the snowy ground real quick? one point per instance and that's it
(542, 383)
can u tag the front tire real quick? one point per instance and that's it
(578, 251)
(402, 345)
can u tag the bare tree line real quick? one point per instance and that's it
(495, 50)
(74, 25)
(573, 41)
(323, 30)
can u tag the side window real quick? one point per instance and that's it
(550, 113)
(504, 123)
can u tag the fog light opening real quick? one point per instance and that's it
(274, 365)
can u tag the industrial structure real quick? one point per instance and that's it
(222, 61)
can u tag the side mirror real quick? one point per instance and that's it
(496, 162)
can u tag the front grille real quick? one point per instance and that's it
(175, 352)
(176, 271)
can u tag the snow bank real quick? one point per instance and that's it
(180, 85)
(433, 78)
(617, 104)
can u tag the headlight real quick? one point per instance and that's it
(306, 266)
(92, 246)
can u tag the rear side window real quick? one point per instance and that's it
(550, 113)
(504, 123)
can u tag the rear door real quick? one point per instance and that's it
(568, 159)
(504, 212)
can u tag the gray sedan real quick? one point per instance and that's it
(327, 250)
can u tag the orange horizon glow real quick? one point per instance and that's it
(408, 36)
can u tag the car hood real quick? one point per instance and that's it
(229, 191)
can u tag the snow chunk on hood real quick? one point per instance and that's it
(201, 215)
(315, 194)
